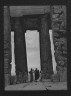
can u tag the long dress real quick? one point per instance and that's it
(36, 74)
(31, 76)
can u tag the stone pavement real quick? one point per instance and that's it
(39, 86)
(55, 85)
(17, 86)
(35, 86)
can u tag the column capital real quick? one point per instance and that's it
(17, 26)
(44, 16)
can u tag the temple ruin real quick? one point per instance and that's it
(41, 18)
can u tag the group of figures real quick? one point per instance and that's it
(34, 75)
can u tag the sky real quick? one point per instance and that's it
(13, 58)
(33, 50)
(32, 47)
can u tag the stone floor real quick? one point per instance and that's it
(45, 85)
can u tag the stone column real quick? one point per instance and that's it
(45, 48)
(20, 47)
(7, 45)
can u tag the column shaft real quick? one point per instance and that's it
(20, 48)
(45, 48)
(7, 45)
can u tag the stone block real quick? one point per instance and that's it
(55, 78)
(7, 79)
(57, 9)
(63, 75)
(6, 70)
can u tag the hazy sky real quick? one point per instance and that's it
(33, 50)
(32, 47)
(13, 59)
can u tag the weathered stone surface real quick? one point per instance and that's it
(31, 23)
(55, 78)
(7, 44)
(7, 79)
(62, 73)
(59, 17)
(20, 48)
(45, 50)
(59, 36)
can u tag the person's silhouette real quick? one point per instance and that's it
(31, 75)
(36, 74)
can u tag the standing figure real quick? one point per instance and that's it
(31, 75)
(39, 77)
(28, 77)
(36, 74)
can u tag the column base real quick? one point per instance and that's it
(46, 75)
(22, 77)
(7, 79)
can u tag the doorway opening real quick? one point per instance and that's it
(32, 49)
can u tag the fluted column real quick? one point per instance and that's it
(20, 47)
(7, 45)
(45, 48)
